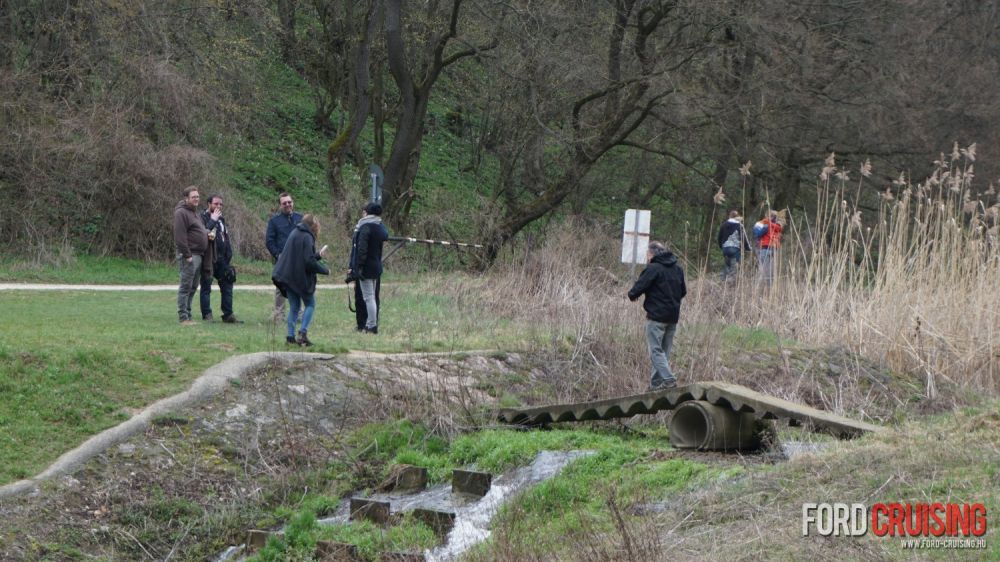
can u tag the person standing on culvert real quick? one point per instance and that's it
(663, 284)
(365, 266)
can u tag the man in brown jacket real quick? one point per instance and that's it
(194, 253)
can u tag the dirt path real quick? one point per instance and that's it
(74, 287)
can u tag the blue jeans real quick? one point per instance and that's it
(660, 338)
(732, 257)
(226, 289)
(295, 301)
(765, 259)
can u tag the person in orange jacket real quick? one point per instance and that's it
(768, 234)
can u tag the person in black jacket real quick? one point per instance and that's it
(365, 266)
(224, 273)
(663, 284)
(294, 275)
(279, 227)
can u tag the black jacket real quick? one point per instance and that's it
(279, 227)
(366, 251)
(223, 241)
(663, 284)
(298, 264)
(730, 229)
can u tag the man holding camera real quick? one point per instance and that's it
(366, 266)
(218, 232)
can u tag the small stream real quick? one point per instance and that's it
(472, 514)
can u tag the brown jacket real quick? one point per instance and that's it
(191, 237)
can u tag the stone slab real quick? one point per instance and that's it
(471, 482)
(441, 521)
(372, 510)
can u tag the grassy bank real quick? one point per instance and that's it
(77, 362)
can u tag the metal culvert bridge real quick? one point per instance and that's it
(707, 415)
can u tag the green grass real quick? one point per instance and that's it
(84, 269)
(750, 339)
(73, 363)
(625, 465)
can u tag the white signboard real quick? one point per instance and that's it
(635, 239)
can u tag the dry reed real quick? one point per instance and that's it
(908, 290)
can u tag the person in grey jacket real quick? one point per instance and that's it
(294, 275)
(734, 242)
(663, 284)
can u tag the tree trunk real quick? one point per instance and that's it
(286, 13)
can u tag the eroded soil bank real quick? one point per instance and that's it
(198, 478)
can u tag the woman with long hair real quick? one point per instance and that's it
(294, 274)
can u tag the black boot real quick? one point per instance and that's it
(372, 330)
(304, 340)
(290, 340)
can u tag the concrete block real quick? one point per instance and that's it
(471, 482)
(372, 510)
(256, 539)
(411, 478)
(441, 521)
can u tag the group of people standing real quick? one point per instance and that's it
(662, 284)
(734, 242)
(204, 252)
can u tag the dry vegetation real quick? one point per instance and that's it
(104, 128)
(901, 295)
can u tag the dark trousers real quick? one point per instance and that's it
(360, 310)
(225, 288)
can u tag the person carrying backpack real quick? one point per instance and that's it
(767, 232)
(733, 241)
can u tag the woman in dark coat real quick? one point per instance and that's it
(295, 276)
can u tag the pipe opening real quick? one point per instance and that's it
(697, 424)
(689, 427)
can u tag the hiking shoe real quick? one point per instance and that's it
(207, 317)
(231, 319)
(303, 340)
(290, 340)
(662, 386)
(372, 330)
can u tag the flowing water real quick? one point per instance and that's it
(472, 514)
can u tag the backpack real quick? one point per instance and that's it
(759, 230)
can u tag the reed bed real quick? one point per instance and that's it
(908, 283)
